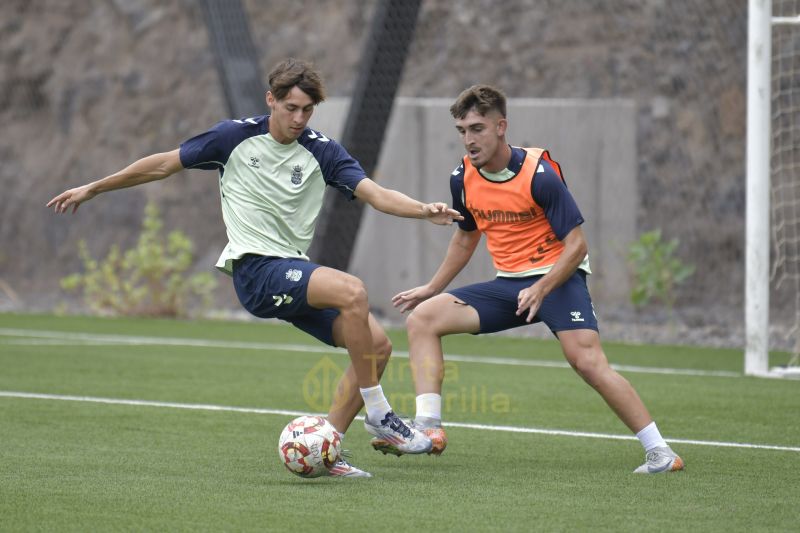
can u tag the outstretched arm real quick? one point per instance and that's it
(151, 168)
(398, 204)
(459, 252)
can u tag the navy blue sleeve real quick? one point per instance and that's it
(457, 191)
(339, 168)
(210, 150)
(552, 195)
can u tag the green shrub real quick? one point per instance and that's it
(656, 270)
(147, 280)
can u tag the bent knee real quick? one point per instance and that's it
(591, 365)
(354, 295)
(421, 320)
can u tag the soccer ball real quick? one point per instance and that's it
(309, 446)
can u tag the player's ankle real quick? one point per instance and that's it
(375, 402)
(424, 422)
(650, 437)
(429, 405)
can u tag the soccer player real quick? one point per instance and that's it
(273, 171)
(518, 198)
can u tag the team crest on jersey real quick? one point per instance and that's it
(293, 274)
(297, 175)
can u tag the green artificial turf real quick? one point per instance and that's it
(69, 463)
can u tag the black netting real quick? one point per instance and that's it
(383, 57)
(236, 57)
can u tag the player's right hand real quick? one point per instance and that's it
(408, 300)
(72, 197)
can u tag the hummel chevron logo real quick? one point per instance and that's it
(282, 299)
(318, 136)
(248, 120)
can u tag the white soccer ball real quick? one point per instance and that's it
(309, 446)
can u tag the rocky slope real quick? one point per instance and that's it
(87, 87)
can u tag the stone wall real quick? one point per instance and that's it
(87, 87)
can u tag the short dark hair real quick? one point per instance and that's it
(481, 98)
(293, 72)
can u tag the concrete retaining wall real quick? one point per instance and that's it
(593, 140)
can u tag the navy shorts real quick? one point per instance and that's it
(566, 307)
(277, 287)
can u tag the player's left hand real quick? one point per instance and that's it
(439, 213)
(529, 299)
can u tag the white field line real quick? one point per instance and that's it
(36, 337)
(51, 342)
(479, 427)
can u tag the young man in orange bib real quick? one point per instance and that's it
(518, 198)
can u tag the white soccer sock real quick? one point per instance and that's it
(429, 405)
(650, 437)
(376, 403)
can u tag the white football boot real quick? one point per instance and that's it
(342, 468)
(430, 427)
(392, 435)
(661, 459)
